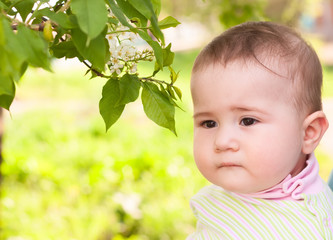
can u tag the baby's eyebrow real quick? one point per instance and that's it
(200, 114)
(248, 109)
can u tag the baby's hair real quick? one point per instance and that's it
(265, 42)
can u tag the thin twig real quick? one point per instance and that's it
(94, 70)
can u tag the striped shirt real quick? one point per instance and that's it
(226, 215)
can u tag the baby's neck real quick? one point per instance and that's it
(301, 164)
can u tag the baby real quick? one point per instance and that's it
(258, 118)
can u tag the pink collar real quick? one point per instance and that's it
(291, 188)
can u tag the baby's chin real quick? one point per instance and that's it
(244, 189)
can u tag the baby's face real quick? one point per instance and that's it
(247, 133)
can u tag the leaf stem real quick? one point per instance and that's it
(155, 80)
(30, 17)
(65, 6)
(129, 30)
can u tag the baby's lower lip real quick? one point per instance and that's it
(228, 165)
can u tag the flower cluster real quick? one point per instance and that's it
(124, 53)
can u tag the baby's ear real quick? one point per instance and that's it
(314, 125)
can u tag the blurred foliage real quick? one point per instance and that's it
(216, 12)
(229, 13)
(328, 81)
(65, 178)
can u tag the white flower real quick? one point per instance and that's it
(132, 37)
(116, 66)
(128, 52)
(118, 71)
(133, 68)
(113, 41)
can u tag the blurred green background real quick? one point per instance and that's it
(64, 177)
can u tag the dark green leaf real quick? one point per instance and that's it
(7, 86)
(156, 6)
(24, 68)
(113, 20)
(108, 107)
(3, 6)
(25, 8)
(12, 54)
(119, 14)
(158, 52)
(129, 87)
(65, 49)
(34, 47)
(92, 16)
(168, 22)
(60, 18)
(7, 91)
(131, 12)
(168, 56)
(95, 52)
(158, 107)
(145, 7)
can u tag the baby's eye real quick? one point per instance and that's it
(209, 124)
(248, 121)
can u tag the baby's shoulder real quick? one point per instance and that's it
(211, 191)
(214, 194)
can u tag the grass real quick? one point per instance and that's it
(65, 178)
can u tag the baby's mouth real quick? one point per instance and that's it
(228, 164)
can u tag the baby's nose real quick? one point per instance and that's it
(226, 139)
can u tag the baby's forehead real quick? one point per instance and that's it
(271, 65)
(248, 75)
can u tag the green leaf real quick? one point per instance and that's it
(168, 22)
(92, 16)
(7, 85)
(3, 6)
(158, 52)
(95, 52)
(108, 107)
(7, 91)
(171, 92)
(131, 12)
(34, 47)
(168, 56)
(12, 53)
(173, 75)
(24, 8)
(113, 20)
(156, 6)
(145, 7)
(65, 49)
(129, 87)
(158, 107)
(119, 14)
(60, 18)
(178, 92)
